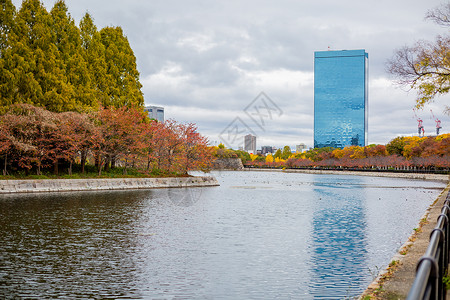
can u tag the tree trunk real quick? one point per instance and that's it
(97, 163)
(83, 160)
(107, 163)
(125, 168)
(55, 167)
(6, 161)
(100, 166)
(70, 168)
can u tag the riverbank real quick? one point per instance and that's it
(67, 185)
(395, 281)
(420, 176)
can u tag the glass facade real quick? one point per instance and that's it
(340, 98)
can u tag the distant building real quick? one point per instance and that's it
(266, 149)
(250, 143)
(299, 148)
(340, 98)
(155, 112)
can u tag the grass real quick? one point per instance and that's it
(91, 172)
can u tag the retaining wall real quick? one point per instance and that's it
(228, 164)
(65, 185)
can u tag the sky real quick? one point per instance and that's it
(212, 62)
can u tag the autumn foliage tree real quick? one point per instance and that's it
(33, 138)
(425, 66)
(400, 153)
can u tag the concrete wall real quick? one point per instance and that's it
(64, 185)
(228, 164)
(421, 176)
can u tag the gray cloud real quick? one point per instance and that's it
(206, 60)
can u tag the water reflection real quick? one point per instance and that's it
(339, 241)
(257, 236)
(71, 245)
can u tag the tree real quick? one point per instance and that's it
(269, 158)
(121, 132)
(195, 153)
(286, 152)
(6, 142)
(77, 134)
(123, 86)
(426, 65)
(7, 14)
(94, 56)
(277, 154)
(34, 135)
(396, 146)
(70, 59)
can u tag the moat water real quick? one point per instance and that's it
(260, 235)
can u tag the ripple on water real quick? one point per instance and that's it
(260, 235)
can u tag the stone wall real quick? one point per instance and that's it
(64, 185)
(228, 164)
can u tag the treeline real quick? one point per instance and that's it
(33, 139)
(47, 60)
(405, 153)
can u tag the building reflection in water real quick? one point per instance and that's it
(338, 241)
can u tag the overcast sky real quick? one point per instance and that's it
(206, 61)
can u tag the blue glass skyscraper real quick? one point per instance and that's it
(340, 98)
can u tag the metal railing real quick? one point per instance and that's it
(432, 267)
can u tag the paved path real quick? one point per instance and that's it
(398, 279)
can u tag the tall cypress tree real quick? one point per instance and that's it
(122, 73)
(67, 38)
(45, 60)
(33, 60)
(7, 15)
(94, 55)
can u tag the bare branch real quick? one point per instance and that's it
(440, 15)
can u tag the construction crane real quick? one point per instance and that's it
(438, 122)
(420, 128)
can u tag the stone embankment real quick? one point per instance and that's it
(66, 185)
(421, 176)
(228, 164)
(395, 281)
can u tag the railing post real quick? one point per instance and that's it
(432, 267)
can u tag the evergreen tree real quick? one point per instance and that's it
(286, 152)
(47, 61)
(67, 38)
(277, 154)
(124, 88)
(7, 13)
(32, 61)
(94, 55)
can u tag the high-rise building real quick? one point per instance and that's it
(155, 112)
(250, 143)
(340, 98)
(266, 149)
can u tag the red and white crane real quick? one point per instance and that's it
(420, 128)
(438, 122)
